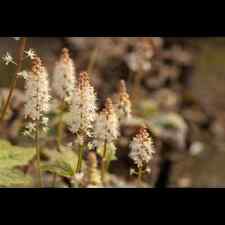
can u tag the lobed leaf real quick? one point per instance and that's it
(110, 154)
(13, 156)
(14, 178)
(61, 163)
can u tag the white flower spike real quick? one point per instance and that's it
(64, 79)
(83, 108)
(107, 126)
(122, 102)
(36, 96)
(142, 149)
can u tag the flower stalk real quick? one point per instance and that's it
(106, 132)
(60, 129)
(82, 113)
(140, 176)
(40, 182)
(92, 177)
(104, 163)
(37, 106)
(79, 164)
(20, 53)
(54, 178)
(123, 104)
(142, 151)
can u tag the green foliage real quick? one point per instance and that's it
(14, 178)
(60, 168)
(168, 121)
(147, 108)
(110, 154)
(13, 156)
(61, 163)
(10, 158)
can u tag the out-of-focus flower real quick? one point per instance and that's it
(92, 176)
(78, 177)
(24, 74)
(122, 102)
(140, 58)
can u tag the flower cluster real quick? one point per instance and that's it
(122, 102)
(31, 54)
(83, 120)
(142, 149)
(83, 107)
(7, 59)
(64, 77)
(36, 96)
(107, 125)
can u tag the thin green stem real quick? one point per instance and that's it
(140, 176)
(80, 159)
(54, 180)
(107, 164)
(19, 61)
(40, 183)
(104, 162)
(81, 149)
(60, 130)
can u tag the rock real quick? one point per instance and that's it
(197, 116)
(171, 129)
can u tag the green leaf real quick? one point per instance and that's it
(4, 144)
(59, 168)
(147, 108)
(13, 156)
(110, 154)
(61, 163)
(14, 178)
(169, 121)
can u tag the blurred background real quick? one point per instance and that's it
(179, 93)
